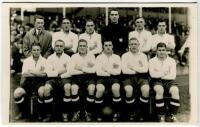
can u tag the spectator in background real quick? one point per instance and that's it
(93, 39)
(70, 38)
(116, 33)
(17, 54)
(38, 35)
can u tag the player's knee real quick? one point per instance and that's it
(159, 90)
(19, 92)
(41, 91)
(145, 90)
(74, 89)
(128, 89)
(67, 87)
(100, 88)
(47, 90)
(115, 88)
(91, 88)
(174, 91)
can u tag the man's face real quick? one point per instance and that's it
(66, 25)
(59, 47)
(89, 27)
(140, 23)
(114, 16)
(108, 47)
(39, 24)
(27, 28)
(82, 47)
(36, 51)
(162, 27)
(161, 52)
(133, 45)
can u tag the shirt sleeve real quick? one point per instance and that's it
(88, 69)
(171, 43)
(142, 67)
(75, 43)
(172, 71)
(113, 70)
(154, 71)
(72, 65)
(25, 67)
(98, 67)
(98, 49)
(125, 68)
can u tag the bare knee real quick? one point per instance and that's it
(174, 91)
(129, 90)
(47, 90)
(100, 88)
(91, 89)
(116, 90)
(67, 87)
(19, 92)
(145, 90)
(159, 91)
(41, 91)
(74, 89)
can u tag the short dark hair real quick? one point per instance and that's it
(161, 44)
(113, 9)
(35, 44)
(82, 40)
(162, 20)
(139, 17)
(133, 38)
(38, 17)
(66, 19)
(59, 40)
(89, 20)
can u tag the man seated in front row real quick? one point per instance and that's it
(135, 68)
(82, 69)
(162, 69)
(108, 67)
(33, 77)
(58, 73)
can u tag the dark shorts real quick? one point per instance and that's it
(167, 84)
(83, 80)
(107, 81)
(58, 82)
(137, 80)
(32, 84)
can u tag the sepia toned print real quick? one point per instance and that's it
(106, 63)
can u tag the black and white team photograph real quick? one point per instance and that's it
(71, 63)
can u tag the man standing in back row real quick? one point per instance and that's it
(116, 33)
(38, 35)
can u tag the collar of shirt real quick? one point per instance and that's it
(39, 59)
(62, 55)
(64, 32)
(35, 31)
